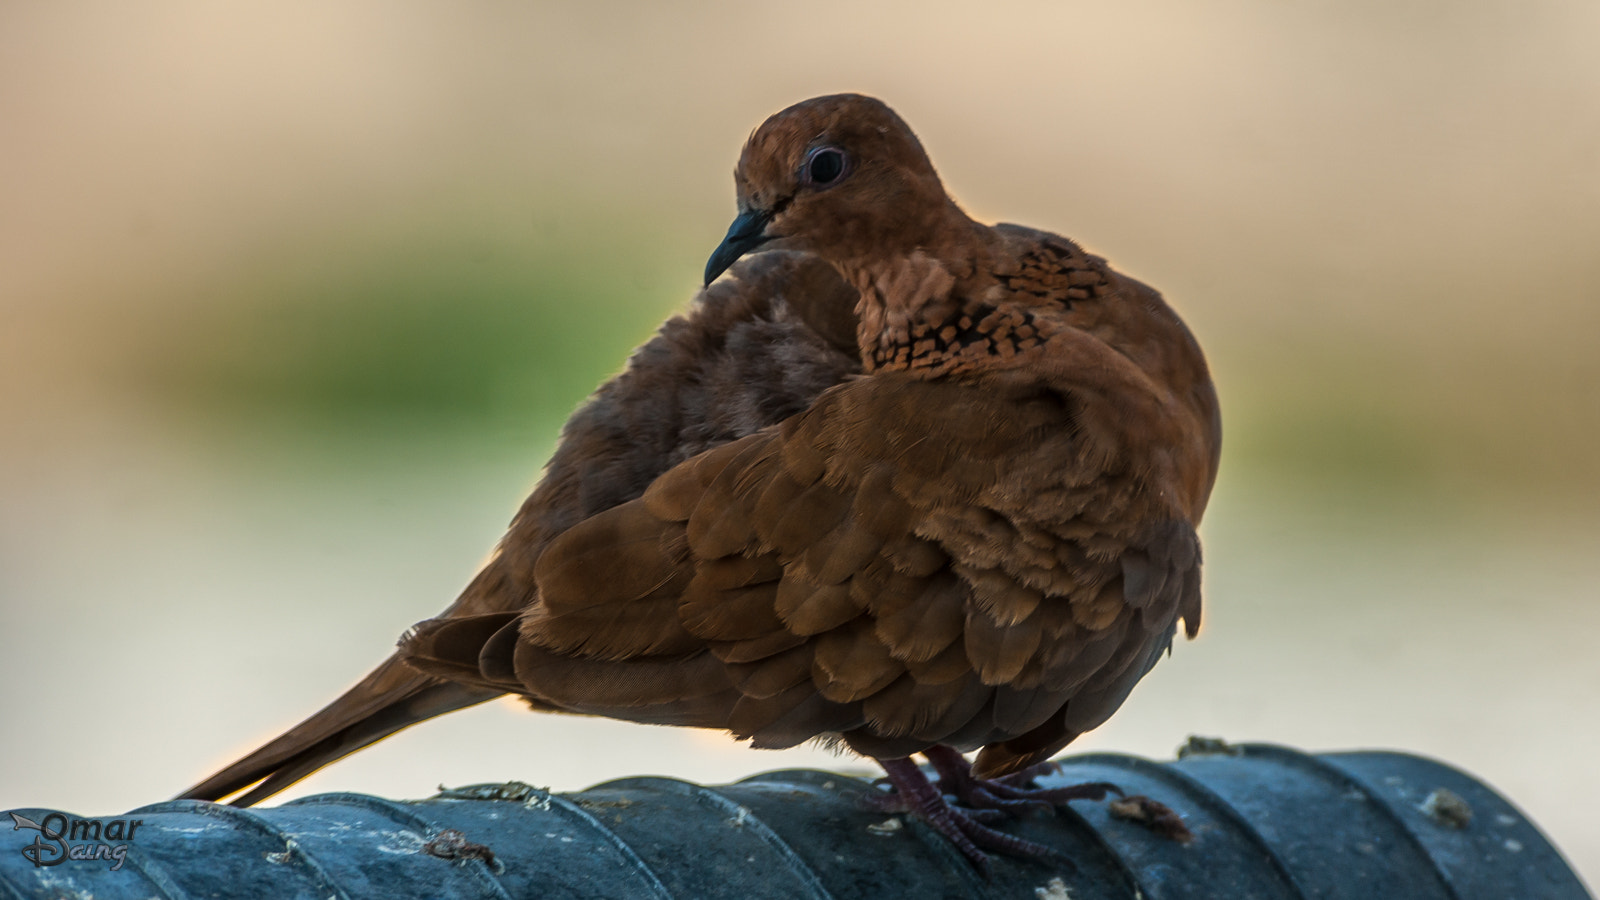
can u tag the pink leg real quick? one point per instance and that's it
(960, 827)
(1013, 792)
(987, 801)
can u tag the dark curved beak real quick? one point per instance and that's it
(747, 232)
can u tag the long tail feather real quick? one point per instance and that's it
(392, 697)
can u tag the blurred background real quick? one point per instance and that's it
(294, 297)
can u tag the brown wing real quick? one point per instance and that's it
(756, 349)
(907, 563)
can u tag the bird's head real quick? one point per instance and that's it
(841, 176)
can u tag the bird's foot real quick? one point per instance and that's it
(967, 829)
(1012, 793)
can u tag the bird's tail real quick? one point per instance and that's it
(393, 696)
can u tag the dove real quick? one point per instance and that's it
(978, 539)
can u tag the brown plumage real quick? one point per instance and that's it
(982, 541)
(755, 349)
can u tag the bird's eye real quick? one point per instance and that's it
(825, 166)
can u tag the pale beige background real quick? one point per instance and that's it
(1380, 218)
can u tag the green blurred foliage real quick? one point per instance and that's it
(483, 343)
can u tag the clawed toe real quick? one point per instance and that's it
(984, 802)
(972, 837)
(1092, 790)
(967, 829)
(1013, 793)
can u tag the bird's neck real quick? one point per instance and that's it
(920, 303)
